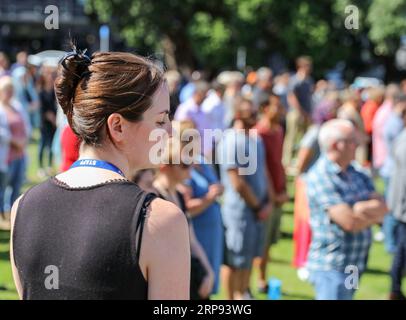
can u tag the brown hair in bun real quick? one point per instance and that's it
(89, 90)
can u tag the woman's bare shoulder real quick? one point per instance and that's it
(165, 231)
(164, 216)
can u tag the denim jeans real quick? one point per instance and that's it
(47, 136)
(399, 259)
(330, 285)
(389, 225)
(3, 184)
(16, 175)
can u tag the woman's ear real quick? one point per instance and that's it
(116, 127)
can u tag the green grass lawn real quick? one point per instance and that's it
(374, 283)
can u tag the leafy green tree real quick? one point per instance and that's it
(166, 26)
(207, 33)
(388, 23)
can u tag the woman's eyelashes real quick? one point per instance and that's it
(164, 120)
(160, 123)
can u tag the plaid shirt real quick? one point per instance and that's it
(327, 185)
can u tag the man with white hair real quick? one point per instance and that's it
(343, 206)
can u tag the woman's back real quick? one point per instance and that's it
(85, 224)
(88, 234)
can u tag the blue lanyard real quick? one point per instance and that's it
(96, 164)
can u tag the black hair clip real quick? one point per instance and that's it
(82, 59)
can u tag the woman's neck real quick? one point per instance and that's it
(108, 154)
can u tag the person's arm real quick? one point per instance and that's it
(5, 134)
(323, 193)
(271, 190)
(18, 143)
(242, 187)
(373, 209)
(165, 252)
(359, 217)
(303, 159)
(343, 215)
(196, 206)
(51, 117)
(24, 114)
(14, 270)
(34, 105)
(197, 250)
(308, 146)
(267, 208)
(294, 102)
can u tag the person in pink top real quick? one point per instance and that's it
(18, 141)
(379, 150)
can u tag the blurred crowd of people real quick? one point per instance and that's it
(27, 107)
(333, 139)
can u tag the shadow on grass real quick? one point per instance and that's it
(288, 211)
(377, 272)
(286, 235)
(280, 261)
(4, 236)
(288, 296)
(5, 255)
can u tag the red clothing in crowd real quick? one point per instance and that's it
(302, 233)
(70, 148)
(368, 111)
(273, 142)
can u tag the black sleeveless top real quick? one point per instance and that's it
(87, 234)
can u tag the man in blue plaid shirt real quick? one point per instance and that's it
(343, 206)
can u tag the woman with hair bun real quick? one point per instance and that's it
(96, 232)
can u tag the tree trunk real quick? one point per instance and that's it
(178, 52)
(169, 53)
